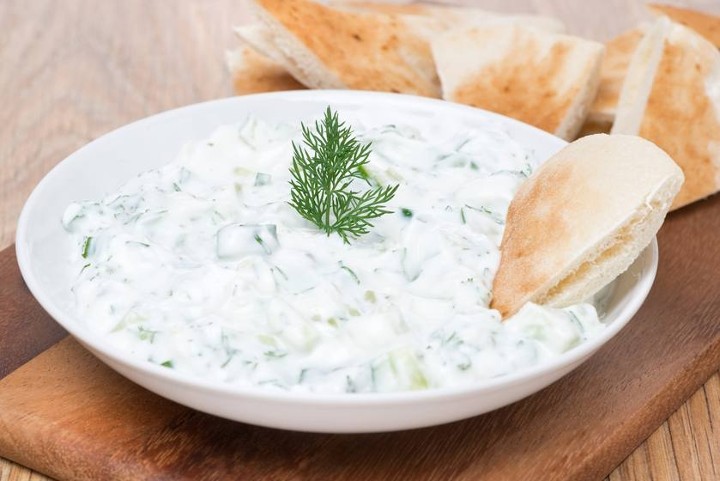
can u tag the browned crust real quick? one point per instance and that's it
(524, 85)
(258, 73)
(365, 51)
(535, 221)
(682, 120)
(705, 24)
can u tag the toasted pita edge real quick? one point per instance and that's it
(705, 24)
(639, 79)
(294, 56)
(630, 179)
(618, 53)
(577, 113)
(252, 72)
(257, 36)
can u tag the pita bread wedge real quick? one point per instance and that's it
(671, 96)
(456, 16)
(618, 53)
(703, 23)
(581, 220)
(544, 79)
(327, 48)
(252, 72)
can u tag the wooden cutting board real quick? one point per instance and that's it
(64, 413)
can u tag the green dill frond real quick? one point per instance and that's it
(322, 173)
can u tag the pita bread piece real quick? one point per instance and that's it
(671, 96)
(543, 79)
(618, 53)
(324, 47)
(253, 72)
(581, 220)
(703, 23)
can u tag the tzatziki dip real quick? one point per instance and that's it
(203, 266)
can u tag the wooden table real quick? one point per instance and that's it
(71, 70)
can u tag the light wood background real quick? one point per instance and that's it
(71, 70)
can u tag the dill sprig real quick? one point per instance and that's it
(322, 176)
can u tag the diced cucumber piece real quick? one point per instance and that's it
(73, 212)
(88, 247)
(302, 336)
(407, 369)
(262, 179)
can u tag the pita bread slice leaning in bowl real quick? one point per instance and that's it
(581, 220)
(544, 79)
(671, 96)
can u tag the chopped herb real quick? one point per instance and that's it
(465, 365)
(463, 144)
(275, 354)
(527, 170)
(136, 243)
(279, 271)
(350, 385)
(406, 212)
(167, 364)
(497, 219)
(146, 335)
(227, 361)
(576, 321)
(350, 271)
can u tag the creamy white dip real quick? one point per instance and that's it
(203, 267)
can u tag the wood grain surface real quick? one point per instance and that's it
(75, 69)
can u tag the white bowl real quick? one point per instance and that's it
(106, 163)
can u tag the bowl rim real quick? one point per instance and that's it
(634, 298)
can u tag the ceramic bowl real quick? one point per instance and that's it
(106, 163)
